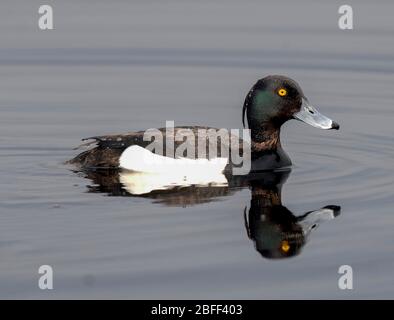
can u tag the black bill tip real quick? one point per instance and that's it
(335, 125)
(336, 209)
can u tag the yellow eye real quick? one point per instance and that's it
(285, 246)
(282, 92)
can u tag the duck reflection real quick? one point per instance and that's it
(167, 190)
(275, 231)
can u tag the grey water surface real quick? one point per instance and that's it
(118, 66)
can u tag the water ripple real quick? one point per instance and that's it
(358, 166)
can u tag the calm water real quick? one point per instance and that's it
(116, 67)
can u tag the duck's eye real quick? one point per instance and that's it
(282, 92)
(285, 246)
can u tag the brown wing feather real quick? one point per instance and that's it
(108, 148)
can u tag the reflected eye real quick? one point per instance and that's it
(285, 246)
(282, 92)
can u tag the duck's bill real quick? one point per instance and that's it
(312, 219)
(310, 115)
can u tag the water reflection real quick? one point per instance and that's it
(160, 188)
(275, 231)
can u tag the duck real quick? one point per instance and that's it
(272, 101)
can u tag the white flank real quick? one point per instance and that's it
(149, 171)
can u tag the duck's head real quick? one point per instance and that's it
(276, 99)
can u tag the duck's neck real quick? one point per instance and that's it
(265, 137)
(266, 197)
